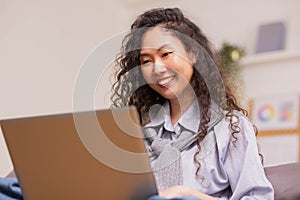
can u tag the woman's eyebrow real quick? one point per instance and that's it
(163, 47)
(143, 51)
(144, 54)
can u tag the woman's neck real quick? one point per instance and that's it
(178, 107)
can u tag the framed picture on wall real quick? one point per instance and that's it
(277, 120)
(276, 113)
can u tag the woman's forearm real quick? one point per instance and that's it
(183, 191)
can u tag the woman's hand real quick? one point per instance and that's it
(183, 191)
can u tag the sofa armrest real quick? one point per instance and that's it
(285, 180)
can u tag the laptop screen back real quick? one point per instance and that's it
(70, 156)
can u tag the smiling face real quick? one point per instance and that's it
(165, 64)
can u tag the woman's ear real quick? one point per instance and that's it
(192, 57)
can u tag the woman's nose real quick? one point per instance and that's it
(159, 67)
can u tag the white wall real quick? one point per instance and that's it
(43, 43)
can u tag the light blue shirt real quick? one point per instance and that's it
(229, 170)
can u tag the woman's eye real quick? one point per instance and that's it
(166, 54)
(144, 62)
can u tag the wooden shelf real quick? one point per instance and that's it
(269, 57)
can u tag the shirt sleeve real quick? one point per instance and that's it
(243, 166)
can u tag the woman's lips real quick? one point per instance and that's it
(165, 82)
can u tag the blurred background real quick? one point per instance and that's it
(44, 43)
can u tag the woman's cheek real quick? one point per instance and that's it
(146, 73)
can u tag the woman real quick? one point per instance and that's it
(200, 141)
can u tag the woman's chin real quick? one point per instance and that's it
(169, 95)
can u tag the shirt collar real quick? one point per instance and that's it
(157, 117)
(189, 120)
(191, 117)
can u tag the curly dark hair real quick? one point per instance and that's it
(208, 81)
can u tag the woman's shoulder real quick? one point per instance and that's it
(235, 126)
(233, 133)
(237, 118)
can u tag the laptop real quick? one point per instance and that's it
(84, 155)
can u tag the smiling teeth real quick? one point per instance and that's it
(164, 81)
